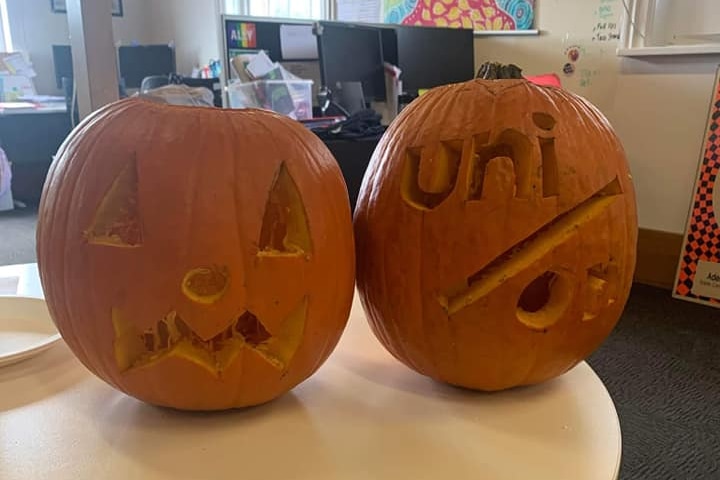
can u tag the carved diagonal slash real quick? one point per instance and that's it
(533, 247)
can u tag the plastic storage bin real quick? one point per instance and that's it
(288, 97)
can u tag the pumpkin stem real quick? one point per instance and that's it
(498, 71)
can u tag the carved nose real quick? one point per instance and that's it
(206, 285)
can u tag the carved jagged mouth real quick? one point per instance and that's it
(172, 337)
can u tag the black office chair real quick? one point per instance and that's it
(153, 82)
(350, 96)
(71, 103)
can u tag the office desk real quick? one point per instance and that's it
(353, 156)
(30, 139)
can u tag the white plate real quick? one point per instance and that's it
(25, 329)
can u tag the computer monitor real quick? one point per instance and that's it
(388, 35)
(432, 56)
(352, 53)
(63, 63)
(137, 62)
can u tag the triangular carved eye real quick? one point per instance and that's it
(285, 228)
(117, 219)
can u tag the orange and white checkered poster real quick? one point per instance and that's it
(698, 273)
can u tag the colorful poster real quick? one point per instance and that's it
(475, 14)
(698, 274)
(240, 35)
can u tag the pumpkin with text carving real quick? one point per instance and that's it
(496, 232)
(196, 258)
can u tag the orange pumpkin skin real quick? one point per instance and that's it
(196, 258)
(496, 230)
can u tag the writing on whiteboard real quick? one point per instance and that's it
(605, 32)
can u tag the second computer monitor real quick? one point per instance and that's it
(138, 62)
(352, 53)
(63, 63)
(431, 56)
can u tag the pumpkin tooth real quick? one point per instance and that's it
(228, 333)
(280, 348)
(173, 331)
(149, 340)
(182, 328)
(218, 342)
(163, 335)
(250, 328)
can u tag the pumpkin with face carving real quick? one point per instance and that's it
(496, 231)
(196, 258)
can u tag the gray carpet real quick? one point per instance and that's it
(17, 236)
(661, 366)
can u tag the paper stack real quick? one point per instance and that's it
(16, 75)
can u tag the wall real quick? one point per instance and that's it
(659, 107)
(674, 20)
(35, 28)
(192, 24)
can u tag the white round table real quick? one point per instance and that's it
(363, 415)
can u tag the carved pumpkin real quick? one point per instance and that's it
(496, 232)
(196, 258)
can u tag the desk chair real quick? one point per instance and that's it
(350, 96)
(153, 82)
(68, 87)
(157, 81)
